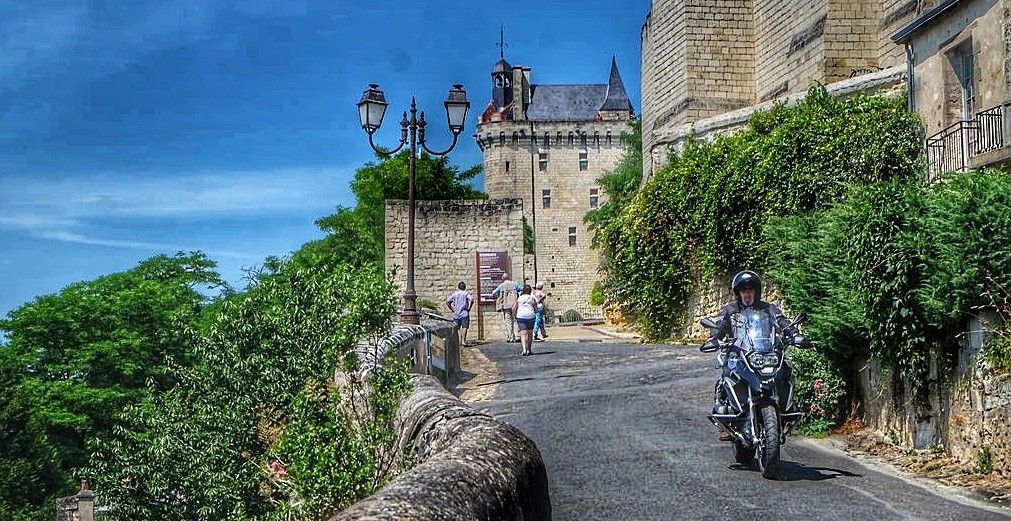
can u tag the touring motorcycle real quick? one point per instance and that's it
(758, 386)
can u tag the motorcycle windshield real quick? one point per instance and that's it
(757, 331)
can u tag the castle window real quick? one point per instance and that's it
(594, 197)
(572, 139)
(547, 139)
(501, 138)
(542, 161)
(507, 167)
(558, 138)
(546, 198)
(572, 235)
(516, 137)
(582, 139)
(583, 160)
(607, 138)
(596, 138)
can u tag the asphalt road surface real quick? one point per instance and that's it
(624, 435)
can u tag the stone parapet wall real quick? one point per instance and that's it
(448, 234)
(469, 466)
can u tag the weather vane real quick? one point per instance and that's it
(501, 42)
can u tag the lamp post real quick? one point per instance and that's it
(371, 109)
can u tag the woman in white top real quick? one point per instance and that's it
(525, 310)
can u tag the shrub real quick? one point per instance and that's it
(597, 294)
(571, 315)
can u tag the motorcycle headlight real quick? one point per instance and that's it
(764, 363)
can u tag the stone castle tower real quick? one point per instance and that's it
(548, 145)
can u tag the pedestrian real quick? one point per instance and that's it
(525, 309)
(505, 297)
(460, 302)
(540, 297)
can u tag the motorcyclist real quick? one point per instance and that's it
(747, 289)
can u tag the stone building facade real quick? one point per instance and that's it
(448, 236)
(548, 145)
(960, 72)
(703, 59)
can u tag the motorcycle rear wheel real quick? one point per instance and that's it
(768, 448)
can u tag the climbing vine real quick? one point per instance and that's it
(705, 213)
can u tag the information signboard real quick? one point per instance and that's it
(490, 267)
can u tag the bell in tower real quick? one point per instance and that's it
(502, 87)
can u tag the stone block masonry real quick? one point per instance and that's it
(448, 234)
(704, 59)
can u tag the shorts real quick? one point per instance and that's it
(463, 321)
(526, 324)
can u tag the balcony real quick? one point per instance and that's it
(973, 143)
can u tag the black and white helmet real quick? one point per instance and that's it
(746, 279)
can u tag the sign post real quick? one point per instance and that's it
(490, 267)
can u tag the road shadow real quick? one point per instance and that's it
(793, 471)
(539, 353)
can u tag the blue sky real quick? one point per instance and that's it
(132, 129)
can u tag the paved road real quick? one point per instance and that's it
(623, 433)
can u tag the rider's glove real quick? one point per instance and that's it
(799, 340)
(711, 345)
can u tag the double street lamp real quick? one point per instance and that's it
(371, 110)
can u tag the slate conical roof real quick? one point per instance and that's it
(617, 98)
(503, 66)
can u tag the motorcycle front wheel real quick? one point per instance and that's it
(768, 443)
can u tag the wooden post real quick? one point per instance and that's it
(477, 289)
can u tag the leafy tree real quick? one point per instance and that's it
(356, 235)
(76, 358)
(276, 416)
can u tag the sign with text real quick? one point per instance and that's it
(490, 267)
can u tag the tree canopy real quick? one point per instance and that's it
(356, 235)
(76, 358)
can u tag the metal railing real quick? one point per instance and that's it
(951, 149)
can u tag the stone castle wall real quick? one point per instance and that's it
(965, 408)
(448, 234)
(703, 59)
(567, 271)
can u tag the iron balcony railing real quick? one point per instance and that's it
(951, 149)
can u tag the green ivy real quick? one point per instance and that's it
(704, 215)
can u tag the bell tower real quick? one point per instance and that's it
(502, 77)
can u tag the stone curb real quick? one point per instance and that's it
(470, 466)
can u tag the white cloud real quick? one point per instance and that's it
(161, 195)
(74, 209)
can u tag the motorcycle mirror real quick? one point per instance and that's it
(708, 323)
